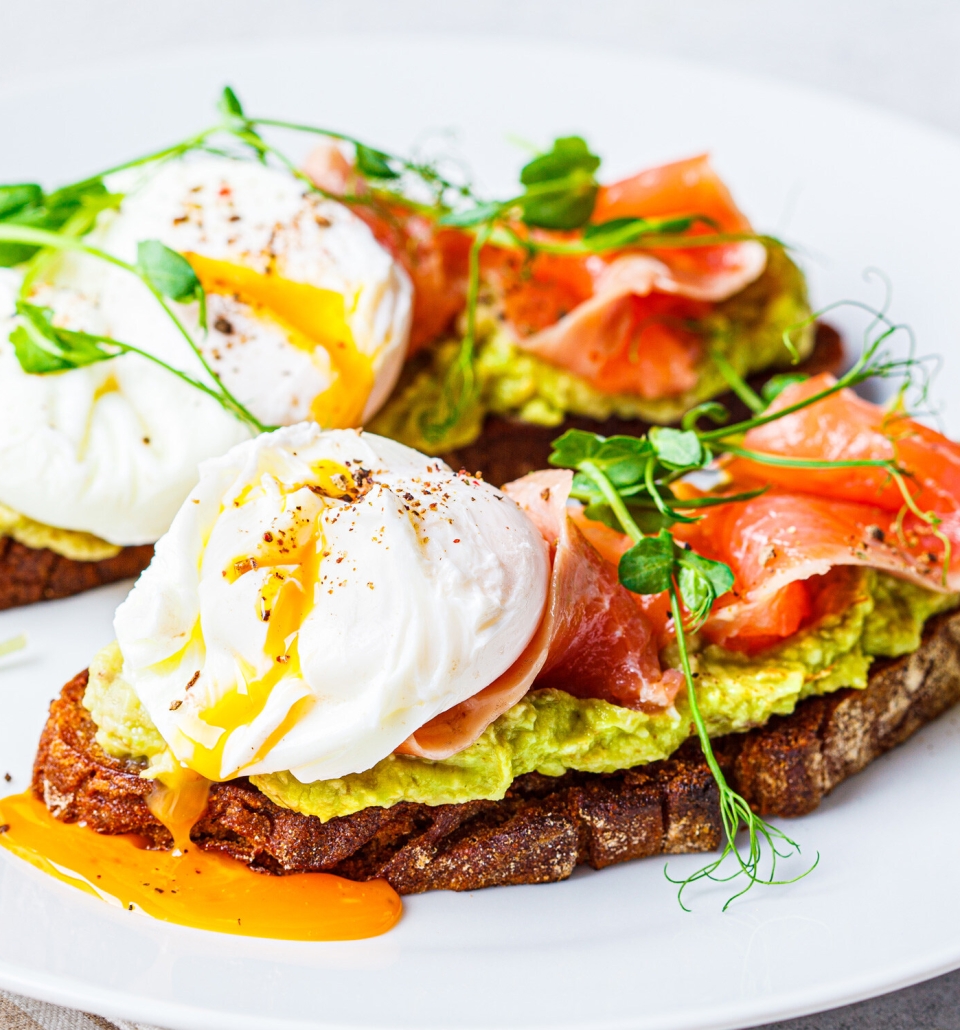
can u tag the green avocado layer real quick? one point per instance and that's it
(550, 731)
(748, 329)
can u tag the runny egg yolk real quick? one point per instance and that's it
(310, 317)
(193, 887)
(284, 601)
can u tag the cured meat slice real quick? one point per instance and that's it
(434, 257)
(621, 321)
(628, 335)
(846, 427)
(781, 546)
(593, 641)
(677, 188)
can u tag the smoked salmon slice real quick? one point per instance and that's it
(620, 321)
(845, 427)
(593, 641)
(780, 547)
(627, 332)
(435, 257)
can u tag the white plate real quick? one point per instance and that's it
(857, 188)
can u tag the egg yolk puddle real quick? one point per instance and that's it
(200, 889)
(310, 317)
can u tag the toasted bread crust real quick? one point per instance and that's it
(29, 574)
(545, 826)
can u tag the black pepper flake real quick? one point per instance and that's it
(4, 828)
(193, 679)
(875, 533)
(7, 777)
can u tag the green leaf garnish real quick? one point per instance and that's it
(573, 447)
(715, 411)
(73, 207)
(701, 581)
(647, 568)
(568, 154)
(565, 203)
(229, 105)
(677, 448)
(15, 198)
(775, 385)
(168, 272)
(374, 164)
(42, 348)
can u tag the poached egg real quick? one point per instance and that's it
(308, 318)
(320, 596)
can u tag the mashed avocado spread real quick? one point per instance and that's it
(550, 731)
(68, 542)
(747, 329)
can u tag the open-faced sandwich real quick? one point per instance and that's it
(346, 657)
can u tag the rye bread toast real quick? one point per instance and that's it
(30, 574)
(545, 826)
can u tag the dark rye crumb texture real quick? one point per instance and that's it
(546, 826)
(30, 574)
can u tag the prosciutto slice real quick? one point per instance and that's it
(614, 339)
(593, 640)
(435, 257)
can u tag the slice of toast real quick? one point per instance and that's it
(29, 574)
(545, 826)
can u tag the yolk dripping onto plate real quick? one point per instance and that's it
(204, 890)
(310, 317)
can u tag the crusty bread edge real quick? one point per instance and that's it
(31, 574)
(545, 826)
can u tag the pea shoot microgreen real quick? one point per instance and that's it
(627, 483)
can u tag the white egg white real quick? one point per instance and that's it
(113, 448)
(429, 586)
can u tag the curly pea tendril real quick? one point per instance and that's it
(625, 482)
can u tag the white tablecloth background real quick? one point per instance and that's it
(903, 54)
